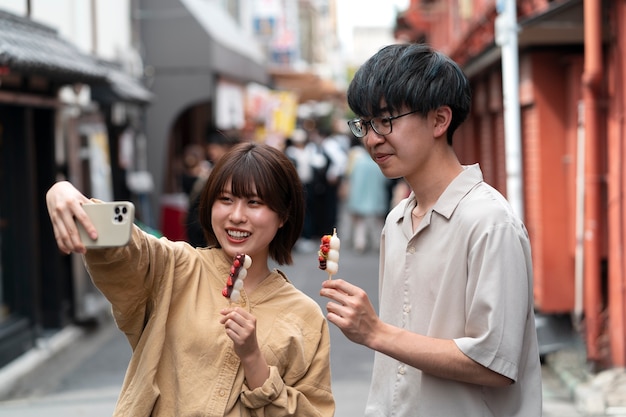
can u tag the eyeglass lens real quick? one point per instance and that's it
(381, 125)
(358, 128)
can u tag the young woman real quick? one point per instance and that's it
(194, 352)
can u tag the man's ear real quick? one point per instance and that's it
(442, 119)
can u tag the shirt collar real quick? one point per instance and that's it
(452, 195)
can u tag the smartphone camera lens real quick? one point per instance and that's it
(120, 212)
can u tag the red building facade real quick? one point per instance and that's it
(572, 94)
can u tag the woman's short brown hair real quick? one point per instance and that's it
(253, 167)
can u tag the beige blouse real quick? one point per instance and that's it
(166, 297)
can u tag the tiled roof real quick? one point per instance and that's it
(32, 48)
(121, 86)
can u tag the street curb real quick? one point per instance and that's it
(45, 349)
(569, 366)
(598, 394)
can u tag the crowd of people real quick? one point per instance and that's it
(344, 189)
(454, 334)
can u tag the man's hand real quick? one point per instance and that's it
(351, 311)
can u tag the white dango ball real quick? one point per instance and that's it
(335, 243)
(234, 296)
(243, 273)
(237, 285)
(247, 262)
(333, 255)
(332, 267)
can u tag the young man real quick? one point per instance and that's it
(456, 333)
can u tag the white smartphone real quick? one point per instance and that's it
(113, 221)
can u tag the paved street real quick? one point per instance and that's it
(84, 380)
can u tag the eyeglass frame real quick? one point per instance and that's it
(351, 124)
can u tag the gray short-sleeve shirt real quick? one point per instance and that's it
(466, 275)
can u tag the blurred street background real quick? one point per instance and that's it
(137, 99)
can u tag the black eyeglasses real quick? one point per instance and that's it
(381, 125)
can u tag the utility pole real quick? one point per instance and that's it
(94, 28)
(506, 30)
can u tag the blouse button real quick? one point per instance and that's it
(411, 249)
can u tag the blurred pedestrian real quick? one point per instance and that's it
(456, 333)
(329, 160)
(195, 352)
(367, 201)
(303, 157)
(195, 166)
(217, 144)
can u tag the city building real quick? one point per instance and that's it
(65, 112)
(108, 95)
(547, 127)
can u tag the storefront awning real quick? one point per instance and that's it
(560, 24)
(234, 52)
(198, 37)
(221, 27)
(306, 85)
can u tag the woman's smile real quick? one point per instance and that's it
(244, 224)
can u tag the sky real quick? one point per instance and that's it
(367, 13)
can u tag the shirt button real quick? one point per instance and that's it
(222, 393)
(411, 249)
(401, 370)
(406, 309)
